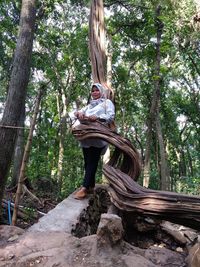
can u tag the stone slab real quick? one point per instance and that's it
(62, 218)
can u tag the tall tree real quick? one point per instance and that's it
(26, 155)
(154, 116)
(19, 150)
(157, 85)
(17, 89)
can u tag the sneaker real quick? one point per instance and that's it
(82, 193)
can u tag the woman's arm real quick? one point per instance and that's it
(80, 114)
(109, 113)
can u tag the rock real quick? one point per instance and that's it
(112, 209)
(140, 223)
(110, 230)
(13, 238)
(164, 257)
(62, 217)
(179, 249)
(89, 218)
(61, 249)
(50, 242)
(174, 231)
(9, 233)
(137, 261)
(193, 258)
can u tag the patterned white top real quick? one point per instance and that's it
(104, 109)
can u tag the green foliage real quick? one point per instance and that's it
(29, 214)
(61, 59)
(189, 185)
(9, 19)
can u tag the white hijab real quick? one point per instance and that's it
(95, 102)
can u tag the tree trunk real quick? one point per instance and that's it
(63, 96)
(97, 41)
(17, 89)
(19, 151)
(165, 185)
(126, 194)
(26, 156)
(100, 71)
(109, 62)
(190, 163)
(146, 171)
(62, 133)
(180, 154)
(106, 156)
(62, 103)
(155, 117)
(157, 84)
(97, 48)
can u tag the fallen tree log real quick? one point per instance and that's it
(22, 210)
(126, 194)
(174, 207)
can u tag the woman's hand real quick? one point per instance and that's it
(79, 115)
(92, 118)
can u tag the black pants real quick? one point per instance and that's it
(91, 159)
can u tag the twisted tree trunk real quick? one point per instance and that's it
(97, 41)
(126, 194)
(97, 46)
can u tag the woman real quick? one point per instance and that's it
(100, 109)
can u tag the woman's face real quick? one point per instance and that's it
(95, 93)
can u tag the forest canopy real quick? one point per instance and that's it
(154, 50)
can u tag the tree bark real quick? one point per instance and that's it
(154, 117)
(26, 156)
(146, 171)
(180, 154)
(63, 96)
(97, 41)
(17, 88)
(19, 151)
(97, 48)
(190, 163)
(106, 156)
(126, 194)
(165, 183)
(109, 61)
(62, 133)
(163, 161)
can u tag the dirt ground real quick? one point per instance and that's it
(22, 249)
(106, 248)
